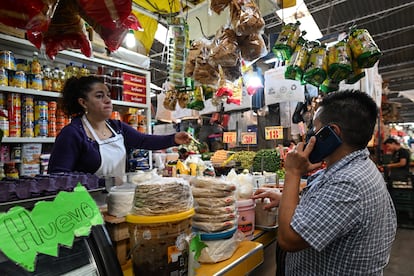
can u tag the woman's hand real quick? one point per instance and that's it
(182, 138)
(273, 194)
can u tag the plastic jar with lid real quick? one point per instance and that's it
(10, 170)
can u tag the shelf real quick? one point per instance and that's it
(28, 140)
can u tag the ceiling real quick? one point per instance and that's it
(390, 23)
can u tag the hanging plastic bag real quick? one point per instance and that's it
(192, 56)
(297, 61)
(363, 48)
(225, 50)
(204, 72)
(33, 15)
(252, 46)
(245, 17)
(286, 41)
(218, 6)
(316, 69)
(66, 31)
(339, 61)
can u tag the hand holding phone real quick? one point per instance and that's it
(326, 142)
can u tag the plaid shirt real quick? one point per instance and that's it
(347, 216)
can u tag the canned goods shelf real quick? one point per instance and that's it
(28, 140)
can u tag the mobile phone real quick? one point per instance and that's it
(326, 142)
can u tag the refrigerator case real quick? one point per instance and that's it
(91, 255)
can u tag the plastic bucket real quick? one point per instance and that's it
(246, 220)
(158, 245)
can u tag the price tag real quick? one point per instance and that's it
(230, 137)
(273, 132)
(248, 138)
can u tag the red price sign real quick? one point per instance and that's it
(230, 137)
(248, 138)
(273, 132)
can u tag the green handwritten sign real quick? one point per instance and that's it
(48, 225)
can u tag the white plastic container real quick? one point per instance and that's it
(246, 220)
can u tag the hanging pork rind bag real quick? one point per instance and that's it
(245, 17)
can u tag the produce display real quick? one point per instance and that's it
(245, 158)
(266, 160)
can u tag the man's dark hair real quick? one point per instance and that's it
(391, 141)
(355, 112)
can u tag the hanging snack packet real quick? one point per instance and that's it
(297, 61)
(316, 69)
(339, 61)
(218, 6)
(196, 100)
(357, 73)
(363, 48)
(204, 72)
(192, 56)
(245, 17)
(225, 50)
(170, 100)
(252, 46)
(286, 41)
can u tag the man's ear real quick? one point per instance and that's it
(337, 129)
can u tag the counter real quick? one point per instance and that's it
(247, 257)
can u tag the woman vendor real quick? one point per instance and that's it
(94, 143)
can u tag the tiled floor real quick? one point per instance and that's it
(401, 259)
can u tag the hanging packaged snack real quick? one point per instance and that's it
(317, 67)
(193, 53)
(297, 61)
(245, 17)
(224, 49)
(232, 73)
(357, 73)
(339, 61)
(204, 72)
(66, 31)
(183, 98)
(237, 96)
(170, 100)
(329, 85)
(218, 6)
(177, 52)
(208, 92)
(286, 41)
(196, 100)
(252, 46)
(363, 48)
(226, 86)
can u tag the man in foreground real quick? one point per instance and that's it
(344, 222)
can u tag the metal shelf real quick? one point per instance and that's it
(28, 140)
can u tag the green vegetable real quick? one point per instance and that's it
(245, 158)
(266, 160)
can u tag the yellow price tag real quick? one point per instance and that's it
(248, 138)
(230, 137)
(273, 132)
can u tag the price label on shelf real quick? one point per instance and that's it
(248, 138)
(230, 137)
(273, 132)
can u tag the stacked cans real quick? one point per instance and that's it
(52, 106)
(41, 117)
(60, 120)
(28, 116)
(14, 111)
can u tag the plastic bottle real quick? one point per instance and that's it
(47, 79)
(35, 67)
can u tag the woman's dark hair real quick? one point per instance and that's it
(74, 89)
(355, 112)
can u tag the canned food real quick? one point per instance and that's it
(7, 60)
(4, 76)
(15, 128)
(28, 129)
(41, 128)
(21, 65)
(4, 126)
(34, 81)
(41, 110)
(3, 100)
(52, 129)
(18, 79)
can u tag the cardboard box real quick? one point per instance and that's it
(134, 88)
(134, 97)
(16, 32)
(134, 79)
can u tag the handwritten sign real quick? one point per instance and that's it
(48, 225)
(273, 132)
(248, 138)
(229, 137)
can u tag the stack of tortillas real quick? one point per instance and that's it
(214, 203)
(162, 196)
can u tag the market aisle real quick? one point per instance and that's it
(401, 260)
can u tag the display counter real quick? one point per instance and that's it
(246, 258)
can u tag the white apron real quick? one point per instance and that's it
(113, 153)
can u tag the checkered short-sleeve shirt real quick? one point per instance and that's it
(347, 216)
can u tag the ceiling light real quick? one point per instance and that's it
(130, 39)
